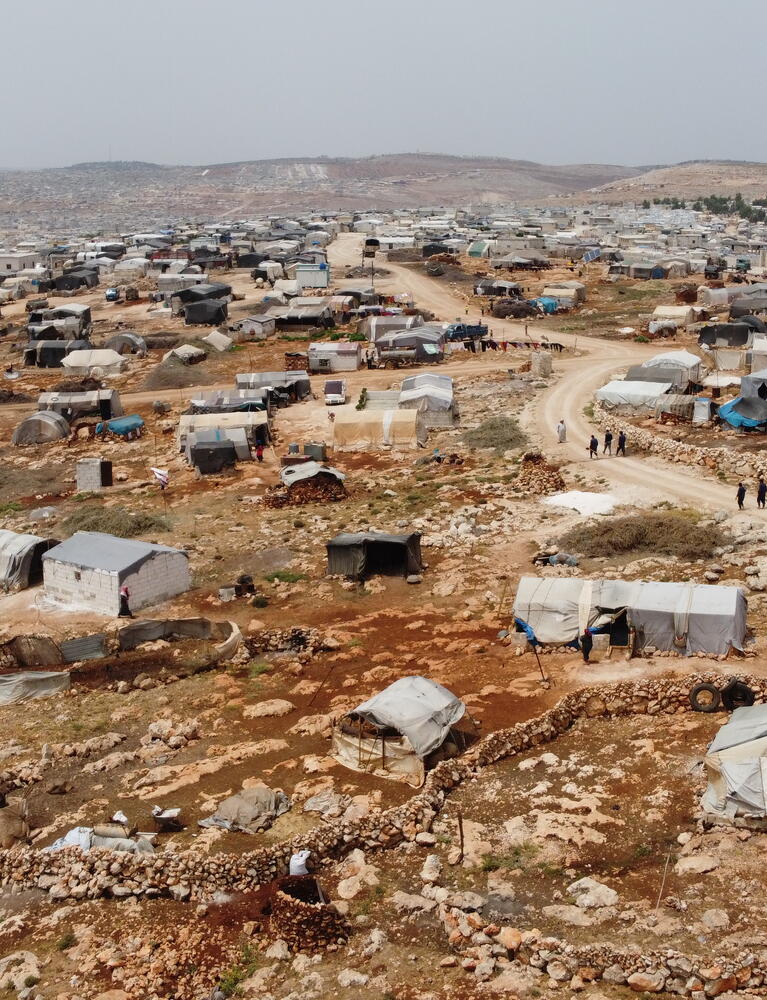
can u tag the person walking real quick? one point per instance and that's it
(593, 447)
(761, 493)
(741, 495)
(562, 431)
(621, 449)
(125, 611)
(587, 644)
(608, 448)
(260, 453)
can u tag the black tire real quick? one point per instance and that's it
(736, 694)
(705, 698)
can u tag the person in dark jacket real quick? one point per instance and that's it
(593, 447)
(608, 448)
(761, 493)
(621, 449)
(741, 495)
(587, 644)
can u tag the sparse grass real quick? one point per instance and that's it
(588, 411)
(500, 433)
(643, 851)
(519, 857)
(66, 941)
(660, 532)
(256, 668)
(232, 977)
(284, 576)
(117, 521)
(10, 508)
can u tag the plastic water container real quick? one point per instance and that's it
(293, 449)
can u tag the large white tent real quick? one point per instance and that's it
(736, 766)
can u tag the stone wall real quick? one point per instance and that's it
(724, 459)
(306, 926)
(69, 874)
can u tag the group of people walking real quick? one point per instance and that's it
(593, 446)
(761, 494)
(607, 448)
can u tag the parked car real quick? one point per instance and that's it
(335, 392)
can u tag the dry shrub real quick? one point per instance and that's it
(117, 521)
(500, 433)
(664, 533)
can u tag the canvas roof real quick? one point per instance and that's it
(359, 429)
(15, 548)
(736, 765)
(92, 359)
(97, 550)
(674, 359)
(624, 393)
(417, 707)
(308, 470)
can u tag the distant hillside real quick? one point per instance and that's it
(695, 178)
(106, 193)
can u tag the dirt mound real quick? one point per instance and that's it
(662, 533)
(500, 433)
(8, 396)
(77, 385)
(176, 375)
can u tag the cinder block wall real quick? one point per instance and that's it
(88, 473)
(93, 589)
(158, 579)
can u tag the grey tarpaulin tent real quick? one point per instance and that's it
(39, 428)
(21, 559)
(736, 766)
(369, 553)
(394, 732)
(32, 684)
(687, 618)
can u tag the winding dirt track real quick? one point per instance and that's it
(578, 377)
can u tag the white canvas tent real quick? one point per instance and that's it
(96, 362)
(688, 362)
(393, 733)
(358, 430)
(682, 617)
(21, 559)
(736, 766)
(633, 394)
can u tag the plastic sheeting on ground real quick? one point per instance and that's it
(30, 684)
(252, 810)
(736, 765)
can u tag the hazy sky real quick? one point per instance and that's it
(559, 81)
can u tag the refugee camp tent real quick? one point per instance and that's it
(749, 409)
(726, 335)
(187, 354)
(736, 766)
(375, 327)
(292, 474)
(211, 457)
(682, 617)
(257, 327)
(372, 553)
(127, 343)
(681, 315)
(230, 400)
(21, 558)
(48, 353)
(637, 395)
(208, 312)
(343, 356)
(393, 733)
(40, 428)
(432, 396)
(296, 384)
(640, 373)
(427, 341)
(104, 403)
(88, 569)
(236, 436)
(255, 423)
(95, 362)
(685, 360)
(358, 430)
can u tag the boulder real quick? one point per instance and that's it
(590, 894)
(646, 982)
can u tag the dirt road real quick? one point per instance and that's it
(579, 376)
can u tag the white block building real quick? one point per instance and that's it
(88, 570)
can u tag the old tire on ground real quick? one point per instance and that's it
(705, 698)
(736, 694)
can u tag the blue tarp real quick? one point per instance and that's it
(121, 425)
(548, 305)
(729, 413)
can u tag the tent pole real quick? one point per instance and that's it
(544, 678)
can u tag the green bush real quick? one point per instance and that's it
(284, 576)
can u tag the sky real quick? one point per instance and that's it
(198, 82)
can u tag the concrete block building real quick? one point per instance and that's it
(88, 570)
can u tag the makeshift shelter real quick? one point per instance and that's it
(104, 403)
(251, 810)
(30, 684)
(255, 423)
(375, 327)
(676, 376)
(127, 343)
(253, 328)
(726, 335)
(295, 384)
(187, 354)
(682, 617)
(736, 766)
(681, 315)
(428, 342)
(293, 474)
(21, 559)
(45, 353)
(88, 570)
(341, 356)
(40, 428)
(749, 409)
(401, 730)
(234, 436)
(635, 395)
(207, 312)
(94, 362)
(373, 553)
(358, 430)
(432, 396)
(689, 363)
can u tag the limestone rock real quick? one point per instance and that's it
(696, 864)
(591, 894)
(350, 977)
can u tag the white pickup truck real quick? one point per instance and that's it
(335, 392)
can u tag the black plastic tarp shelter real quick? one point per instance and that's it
(372, 553)
(209, 312)
(746, 304)
(210, 457)
(726, 335)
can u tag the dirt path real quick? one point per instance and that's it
(596, 361)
